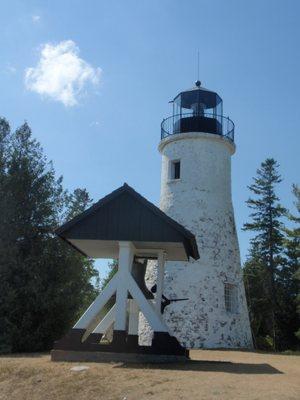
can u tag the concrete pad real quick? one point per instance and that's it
(96, 356)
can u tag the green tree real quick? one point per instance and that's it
(112, 269)
(44, 283)
(291, 278)
(266, 249)
(7, 249)
(258, 304)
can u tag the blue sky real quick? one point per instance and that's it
(131, 58)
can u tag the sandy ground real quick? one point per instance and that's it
(210, 375)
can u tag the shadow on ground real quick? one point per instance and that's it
(208, 366)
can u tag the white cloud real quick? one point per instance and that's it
(61, 74)
(35, 18)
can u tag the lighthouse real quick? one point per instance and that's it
(196, 145)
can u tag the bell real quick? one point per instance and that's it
(138, 272)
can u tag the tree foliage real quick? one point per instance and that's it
(112, 269)
(292, 256)
(44, 283)
(269, 271)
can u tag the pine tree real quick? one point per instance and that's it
(292, 265)
(7, 250)
(255, 278)
(112, 269)
(44, 283)
(267, 244)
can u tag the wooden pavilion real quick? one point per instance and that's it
(127, 227)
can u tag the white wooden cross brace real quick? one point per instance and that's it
(121, 283)
(95, 308)
(106, 321)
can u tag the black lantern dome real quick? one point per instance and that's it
(198, 110)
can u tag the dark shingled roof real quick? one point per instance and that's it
(126, 215)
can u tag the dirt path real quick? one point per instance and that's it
(211, 375)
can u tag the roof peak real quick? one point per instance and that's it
(189, 237)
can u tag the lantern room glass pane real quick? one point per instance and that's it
(198, 102)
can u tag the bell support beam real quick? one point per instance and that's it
(160, 280)
(126, 254)
(121, 283)
(106, 321)
(94, 309)
(146, 307)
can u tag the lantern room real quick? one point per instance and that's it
(197, 110)
(198, 101)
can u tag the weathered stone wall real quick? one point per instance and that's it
(201, 201)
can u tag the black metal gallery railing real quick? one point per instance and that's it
(191, 122)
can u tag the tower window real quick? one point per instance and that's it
(175, 169)
(231, 298)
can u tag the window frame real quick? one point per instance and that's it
(231, 298)
(172, 169)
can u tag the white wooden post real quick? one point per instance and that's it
(160, 280)
(106, 321)
(133, 318)
(146, 307)
(95, 308)
(126, 253)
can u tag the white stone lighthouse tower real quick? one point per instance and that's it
(197, 143)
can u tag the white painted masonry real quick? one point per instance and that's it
(201, 201)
